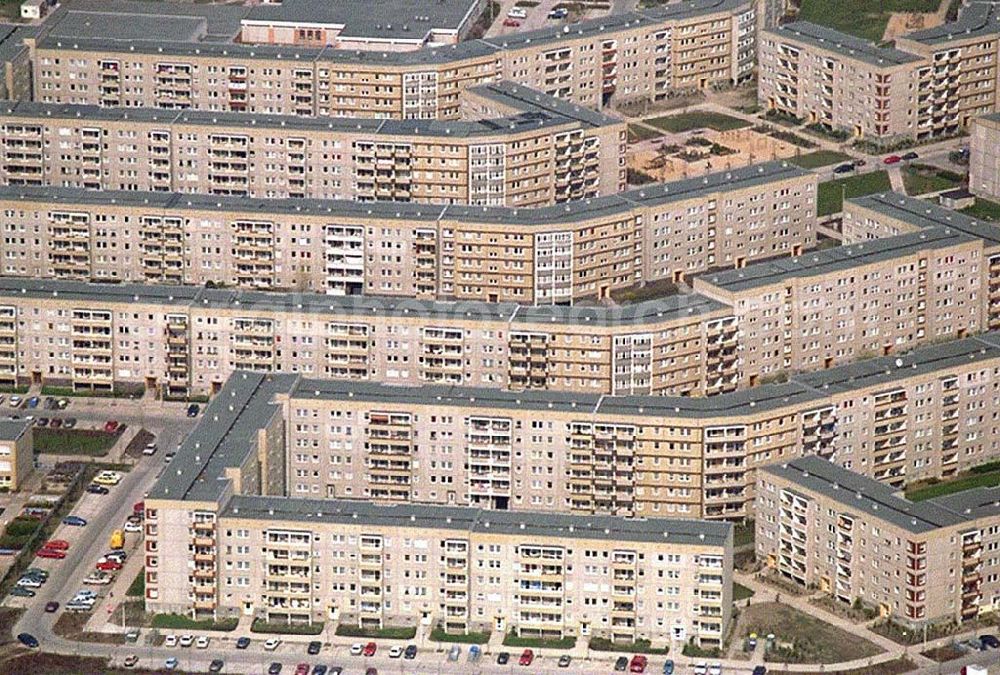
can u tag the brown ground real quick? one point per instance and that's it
(901, 23)
(750, 146)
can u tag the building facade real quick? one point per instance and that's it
(641, 55)
(17, 460)
(820, 526)
(543, 154)
(252, 550)
(555, 255)
(984, 162)
(931, 84)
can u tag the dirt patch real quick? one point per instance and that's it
(901, 665)
(942, 654)
(800, 637)
(901, 23)
(71, 625)
(138, 444)
(60, 664)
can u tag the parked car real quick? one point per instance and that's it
(527, 656)
(319, 669)
(272, 644)
(56, 423)
(57, 545)
(33, 402)
(859, 162)
(517, 13)
(892, 159)
(131, 661)
(274, 668)
(565, 660)
(701, 668)
(186, 640)
(15, 401)
(910, 156)
(42, 422)
(475, 652)
(75, 521)
(990, 641)
(638, 664)
(28, 640)
(170, 641)
(844, 168)
(454, 653)
(98, 579)
(410, 653)
(760, 670)
(110, 426)
(216, 666)
(51, 607)
(302, 669)
(370, 649)
(69, 423)
(314, 647)
(50, 403)
(511, 23)
(29, 582)
(62, 403)
(171, 663)
(21, 592)
(50, 554)
(108, 478)
(371, 671)
(503, 658)
(243, 643)
(129, 526)
(150, 449)
(109, 566)
(201, 642)
(193, 410)
(357, 648)
(395, 652)
(715, 669)
(668, 667)
(559, 13)
(621, 664)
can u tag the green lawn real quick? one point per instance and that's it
(829, 198)
(177, 621)
(138, 586)
(818, 159)
(741, 592)
(640, 132)
(812, 640)
(473, 638)
(599, 644)
(281, 628)
(963, 482)
(73, 441)
(697, 120)
(386, 632)
(864, 18)
(984, 210)
(920, 179)
(512, 640)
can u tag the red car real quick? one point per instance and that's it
(892, 159)
(370, 649)
(57, 545)
(107, 566)
(139, 508)
(110, 426)
(638, 664)
(302, 669)
(51, 553)
(512, 23)
(527, 656)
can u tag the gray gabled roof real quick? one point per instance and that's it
(923, 214)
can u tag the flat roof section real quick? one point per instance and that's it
(924, 214)
(843, 44)
(12, 429)
(468, 520)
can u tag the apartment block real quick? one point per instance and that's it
(641, 55)
(931, 84)
(984, 160)
(182, 339)
(17, 460)
(908, 273)
(553, 255)
(237, 545)
(545, 154)
(895, 419)
(821, 526)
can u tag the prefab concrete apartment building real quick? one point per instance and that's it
(931, 84)
(194, 63)
(821, 526)
(539, 151)
(224, 537)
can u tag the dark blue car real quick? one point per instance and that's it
(28, 640)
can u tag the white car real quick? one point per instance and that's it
(715, 669)
(201, 642)
(701, 668)
(186, 640)
(272, 644)
(98, 579)
(15, 401)
(170, 641)
(132, 527)
(357, 648)
(150, 449)
(517, 13)
(395, 652)
(29, 582)
(85, 593)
